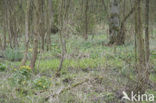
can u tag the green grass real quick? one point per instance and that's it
(83, 57)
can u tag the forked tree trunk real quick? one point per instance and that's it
(117, 26)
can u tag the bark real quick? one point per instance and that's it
(61, 39)
(26, 33)
(63, 30)
(5, 26)
(117, 27)
(50, 13)
(43, 28)
(114, 19)
(147, 50)
(9, 30)
(141, 68)
(4, 38)
(38, 4)
(86, 20)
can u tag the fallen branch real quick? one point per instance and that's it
(66, 89)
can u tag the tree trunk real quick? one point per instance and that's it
(114, 24)
(50, 12)
(121, 34)
(38, 4)
(9, 29)
(117, 27)
(147, 50)
(141, 68)
(86, 21)
(4, 32)
(5, 25)
(26, 33)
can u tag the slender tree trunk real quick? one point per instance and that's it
(42, 39)
(9, 30)
(4, 38)
(5, 25)
(50, 12)
(43, 20)
(38, 4)
(86, 21)
(4, 32)
(63, 16)
(147, 50)
(135, 38)
(121, 34)
(141, 68)
(26, 33)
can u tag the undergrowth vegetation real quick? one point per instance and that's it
(107, 67)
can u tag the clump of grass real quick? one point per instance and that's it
(13, 54)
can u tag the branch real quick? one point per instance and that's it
(66, 89)
(128, 15)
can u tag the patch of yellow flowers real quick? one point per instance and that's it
(40, 84)
(25, 67)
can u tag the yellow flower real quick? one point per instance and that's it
(22, 67)
(39, 83)
(43, 86)
(25, 67)
(30, 50)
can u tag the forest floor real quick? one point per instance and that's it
(92, 73)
